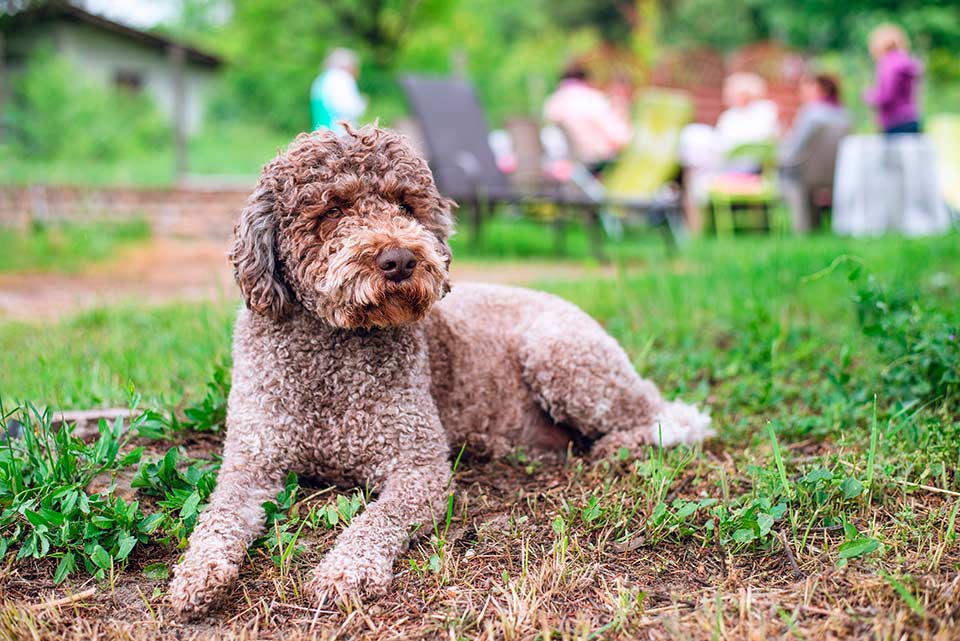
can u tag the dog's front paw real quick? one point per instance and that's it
(341, 575)
(678, 422)
(198, 585)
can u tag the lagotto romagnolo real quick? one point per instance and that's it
(355, 363)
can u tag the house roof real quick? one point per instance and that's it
(62, 10)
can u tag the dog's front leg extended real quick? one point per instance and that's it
(361, 562)
(228, 525)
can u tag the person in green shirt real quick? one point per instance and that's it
(334, 95)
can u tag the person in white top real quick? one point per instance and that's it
(749, 118)
(334, 95)
(596, 131)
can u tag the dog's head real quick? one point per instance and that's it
(351, 228)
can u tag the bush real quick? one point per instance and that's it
(57, 113)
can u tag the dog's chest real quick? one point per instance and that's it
(354, 400)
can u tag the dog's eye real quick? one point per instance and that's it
(333, 212)
(406, 209)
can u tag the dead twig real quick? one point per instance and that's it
(67, 600)
(789, 552)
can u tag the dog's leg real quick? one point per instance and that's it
(361, 562)
(233, 518)
(582, 377)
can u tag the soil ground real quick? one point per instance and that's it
(179, 269)
(503, 572)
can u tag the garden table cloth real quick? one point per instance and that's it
(888, 184)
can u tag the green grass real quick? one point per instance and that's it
(225, 150)
(102, 356)
(506, 236)
(830, 368)
(66, 247)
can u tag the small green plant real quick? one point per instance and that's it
(920, 343)
(207, 415)
(182, 494)
(746, 522)
(855, 545)
(48, 508)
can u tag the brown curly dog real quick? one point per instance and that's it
(348, 367)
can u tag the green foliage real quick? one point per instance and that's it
(57, 113)
(209, 414)
(286, 520)
(182, 494)
(67, 247)
(920, 343)
(48, 508)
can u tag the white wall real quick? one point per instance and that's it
(101, 54)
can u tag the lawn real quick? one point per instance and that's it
(67, 247)
(825, 508)
(222, 151)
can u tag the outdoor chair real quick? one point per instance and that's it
(808, 183)
(744, 200)
(944, 132)
(455, 134)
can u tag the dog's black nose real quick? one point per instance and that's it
(396, 263)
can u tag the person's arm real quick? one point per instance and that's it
(788, 153)
(883, 91)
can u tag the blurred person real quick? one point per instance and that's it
(334, 95)
(814, 138)
(596, 131)
(749, 116)
(620, 93)
(895, 91)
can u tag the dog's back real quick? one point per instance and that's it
(477, 336)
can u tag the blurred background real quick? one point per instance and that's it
(71, 73)
(589, 144)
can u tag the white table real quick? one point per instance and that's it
(887, 184)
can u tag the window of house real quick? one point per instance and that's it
(128, 79)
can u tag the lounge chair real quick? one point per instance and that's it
(455, 134)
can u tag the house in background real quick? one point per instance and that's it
(176, 76)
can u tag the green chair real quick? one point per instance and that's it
(650, 160)
(944, 132)
(747, 196)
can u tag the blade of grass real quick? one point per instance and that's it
(872, 453)
(778, 459)
(905, 594)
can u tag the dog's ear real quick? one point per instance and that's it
(254, 256)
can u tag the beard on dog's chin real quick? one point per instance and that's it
(362, 298)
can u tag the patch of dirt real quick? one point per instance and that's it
(172, 269)
(504, 572)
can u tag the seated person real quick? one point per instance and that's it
(820, 122)
(595, 130)
(749, 118)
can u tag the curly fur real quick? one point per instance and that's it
(345, 375)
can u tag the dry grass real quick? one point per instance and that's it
(504, 571)
(828, 447)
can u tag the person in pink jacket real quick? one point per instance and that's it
(594, 128)
(894, 95)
